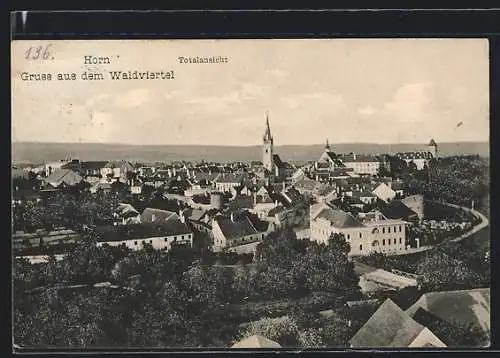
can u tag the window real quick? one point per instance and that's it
(383, 242)
(360, 247)
(400, 240)
(394, 228)
(165, 239)
(348, 236)
(394, 241)
(182, 237)
(383, 230)
(150, 241)
(389, 230)
(399, 228)
(135, 242)
(360, 235)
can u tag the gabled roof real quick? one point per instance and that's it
(122, 164)
(142, 231)
(382, 187)
(469, 307)
(158, 215)
(292, 195)
(89, 165)
(388, 327)
(237, 228)
(306, 184)
(195, 214)
(337, 218)
(278, 162)
(256, 341)
(66, 176)
(396, 209)
(126, 210)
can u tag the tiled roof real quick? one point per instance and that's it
(470, 307)
(237, 228)
(388, 327)
(338, 218)
(229, 178)
(306, 184)
(122, 164)
(126, 210)
(278, 162)
(65, 176)
(241, 202)
(396, 209)
(158, 215)
(93, 165)
(142, 231)
(195, 214)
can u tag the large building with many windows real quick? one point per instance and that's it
(371, 233)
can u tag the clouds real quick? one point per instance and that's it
(374, 91)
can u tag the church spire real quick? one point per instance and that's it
(327, 145)
(267, 134)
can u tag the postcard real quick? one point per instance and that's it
(250, 194)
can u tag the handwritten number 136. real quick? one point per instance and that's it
(38, 52)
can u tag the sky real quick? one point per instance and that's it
(346, 90)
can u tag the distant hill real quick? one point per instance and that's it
(30, 152)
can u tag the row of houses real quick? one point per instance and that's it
(331, 165)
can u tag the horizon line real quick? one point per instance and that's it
(332, 144)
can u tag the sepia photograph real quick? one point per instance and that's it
(250, 194)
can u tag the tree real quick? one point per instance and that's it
(440, 271)
(283, 330)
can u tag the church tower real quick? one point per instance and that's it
(267, 148)
(432, 148)
(327, 146)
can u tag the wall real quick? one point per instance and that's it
(158, 243)
(371, 168)
(321, 230)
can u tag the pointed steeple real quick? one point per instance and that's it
(327, 146)
(267, 134)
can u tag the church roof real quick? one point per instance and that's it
(267, 134)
